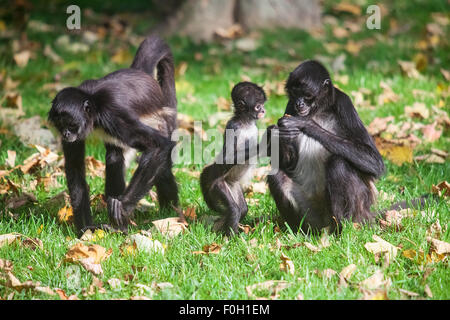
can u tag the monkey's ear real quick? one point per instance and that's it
(326, 84)
(87, 106)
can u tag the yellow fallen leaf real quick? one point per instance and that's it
(65, 214)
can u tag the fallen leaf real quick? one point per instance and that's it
(5, 265)
(81, 251)
(381, 246)
(418, 110)
(189, 213)
(379, 125)
(409, 293)
(348, 271)
(147, 245)
(439, 246)
(65, 214)
(395, 153)
(32, 243)
(223, 104)
(11, 158)
(378, 294)
(431, 133)
(6, 239)
(209, 248)
(409, 69)
(272, 286)
(170, 227)
(114, 283)
(311, 247)
(21, 58)
(286, 264)
(375, 281)
(443, 188)
(348, 7)
(428, 291)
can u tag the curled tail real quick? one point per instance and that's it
(155, 53)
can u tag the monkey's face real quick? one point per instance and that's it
(70, 115)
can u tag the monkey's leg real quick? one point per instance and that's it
(167, 189)
(228, 207)
(115, 171)
(350, 196)
(152, 164)
(78, 188)
(280, 187)
(239, 193)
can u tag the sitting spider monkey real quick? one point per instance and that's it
(221, 182)
(127, 108)
(328, 160)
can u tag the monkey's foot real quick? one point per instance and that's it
(117, 214)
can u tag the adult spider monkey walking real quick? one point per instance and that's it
(128, 108)
(328, 161)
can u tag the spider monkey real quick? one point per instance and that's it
(128, 109)
(328, 160)
(221, 182)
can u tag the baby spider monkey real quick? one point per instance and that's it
(221, 182)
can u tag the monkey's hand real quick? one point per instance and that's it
(117, 214)
(290, 127)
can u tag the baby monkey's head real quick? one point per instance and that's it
(248, 99)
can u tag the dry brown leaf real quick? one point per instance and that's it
(5, 265)
(431, 133)
(395, 153)
(408, 293)
(375, 281)
(232, 32)
(13, 100)
(430, 158)
(311, 247)
(33, 243)
(80, 251)
(11, 158)
(381, 246)
(420, 257)
(95, 167)
(418, 110)
(190, 214)
(286, 264)
(209, 248)
(443, 188)
(409, 69)
(348, 271)
(379, 125)
(6, 239)
(273, 286)
(378, 294)
(388, 95)
(246, 228)
(439, 246)
(348, 7)
(428, 291)
(170, 227)
(21, 58)
(259, 187)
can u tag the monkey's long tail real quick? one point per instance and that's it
(155, 53)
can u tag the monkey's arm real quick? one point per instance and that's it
(286, 148)
(76, 182)
(362, 155)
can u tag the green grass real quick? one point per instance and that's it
(226, 275)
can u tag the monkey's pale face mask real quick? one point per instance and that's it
(259, 111)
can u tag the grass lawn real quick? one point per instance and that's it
(206, 72)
